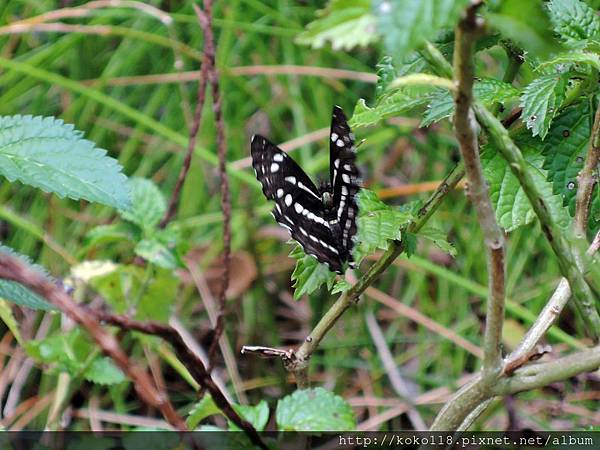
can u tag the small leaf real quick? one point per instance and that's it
(438, 237)
(204, 408)
(574, 21)
(148, 204)
(407, 24)
(512, 205)
(309, 274)
(157, 253)
(314, 410)
(385, 74)
(487, 90)
(119, 287)
(257, 415)
(103, 371)
(9, 320)
(48, 154)
(158, 298)
(541, 100)
(114, 232)
(341, 286)
(19, 294)
(378, 223)
(526, 23)
(346, 24)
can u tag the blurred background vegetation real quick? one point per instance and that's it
(118, 79)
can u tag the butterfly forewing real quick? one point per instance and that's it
(345, 179)
(298, 204)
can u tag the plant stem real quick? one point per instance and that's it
(298, 363)
(466, 134)
(566, 254)
(587, 179)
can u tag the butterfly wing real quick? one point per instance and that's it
(345, 179)
(298, 204)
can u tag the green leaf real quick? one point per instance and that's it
(378, 223)
(392, 103)
(574, 21)
(341, 286)
(405, 25)
(148, 204)
(257, 415)
(344, 23)
(541, 100)
(114, 232)
(487, 90)
(158, 298)
(120, 287)
(309, 274)
(157, 253)
(314, 410)
(50, 155)
(19, 294)
(526, 23)
(565, 149)
(103, 371)
(438, 237)
(204, 408)
(574, 57)
(512, 205)
(385, 74)
(9, 320)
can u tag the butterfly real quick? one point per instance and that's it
(321, 219)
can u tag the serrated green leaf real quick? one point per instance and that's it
(487, 90)
(512, 205)
(574, 21)
(309, 274)
(314, 410)
(540, 101)
(103, 371)
(120, 287)
(438, 237)
(257, 415)
(341, 286)
(19, 294)
(406, 25)
(147, 204)
(157, 253)
(343, 23)
(48, 154)
(114, 232)
(392, 103)
(67, 352)
(385, 74)
(574, 57)
(378, 223)
(204, 408)
(565, 149)
(526, 23)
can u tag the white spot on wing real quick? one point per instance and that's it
(298, 207)
(334, 137)
(274, 167)
(288, 200)
(278, 157)
(339, 143)
(279, 193)
(290, 180)
(346, 178)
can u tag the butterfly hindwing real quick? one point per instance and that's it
(345, 179)
(298, 204)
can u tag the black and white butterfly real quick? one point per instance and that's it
(322, 220)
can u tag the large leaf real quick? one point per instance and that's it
(148, 204)
(406, 24)
(487, 90)
(541, 100)
(565, 149)
(513, 208)
(524, 22)
(309, 274)
(314, 410)
(51, 155)
(19, 294)
(344, 23)
(574, 21)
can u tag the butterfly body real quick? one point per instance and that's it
(323, 219)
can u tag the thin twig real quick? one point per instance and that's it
(189, 358)
(12, 268)
(586, 180)
(466, 134)
(187, 161)
(205, 21)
